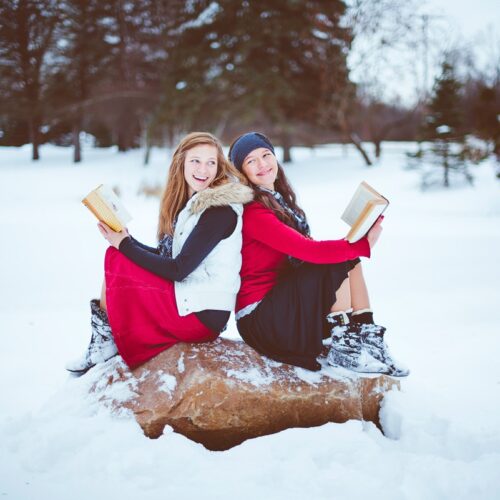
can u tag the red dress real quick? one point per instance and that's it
(143, 313)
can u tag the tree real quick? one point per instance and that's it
(445, 105)
(82, 56)
(255, 62)
(140, 39)
(382, 31)
(487, 113)
(381, 119)
(107, 68)
(444, 119)
(26, 36)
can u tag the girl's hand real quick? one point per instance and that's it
(114, 238)
(375, 232)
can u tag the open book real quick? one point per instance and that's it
(363, 210)
(107, 207)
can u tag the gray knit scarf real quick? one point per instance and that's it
(300, 220)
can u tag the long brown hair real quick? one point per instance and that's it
(281, 185)
(175, 195)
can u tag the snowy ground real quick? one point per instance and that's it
(434, 280)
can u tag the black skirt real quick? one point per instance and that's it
(289, 324)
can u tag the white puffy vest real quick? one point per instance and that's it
(216, 281)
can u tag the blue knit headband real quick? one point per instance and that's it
(245, 144)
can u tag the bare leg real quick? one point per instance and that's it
(103, 296)
(343, 302)
(358, 289)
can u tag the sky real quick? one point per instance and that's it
(470, 29)
(472, 25)
(471, 17)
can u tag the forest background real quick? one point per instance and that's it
(143, 73)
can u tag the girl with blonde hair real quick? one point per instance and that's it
(183, 290)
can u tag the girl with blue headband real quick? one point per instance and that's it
(297, 291)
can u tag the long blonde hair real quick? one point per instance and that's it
(175, 194)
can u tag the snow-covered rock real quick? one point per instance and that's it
(222, 393)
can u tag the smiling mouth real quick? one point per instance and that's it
(200, 179)
(264, 173)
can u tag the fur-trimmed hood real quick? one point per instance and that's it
(220, 196)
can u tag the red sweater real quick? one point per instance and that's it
(266, 244)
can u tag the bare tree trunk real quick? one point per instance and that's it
(221, 126)
(122, 142)
(352, 136)
(287, 155)
(147, 144)
(122, 130)
(147, 155)
(378, 134)
(446, 166)
(34, 139)
(287, 146)
(77, 149)
(359, 146)
(35, 155)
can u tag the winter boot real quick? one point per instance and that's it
(347, 347)
(373, 341)
(102, 345)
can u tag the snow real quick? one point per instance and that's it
(433, 281)
(443, 129)
(253, 376)
(168, 383)
(180, 363)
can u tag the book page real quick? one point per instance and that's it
(358, 202)
(114, 203)
(365, 207)
(98, 207)
(373, 212)
(107, 207)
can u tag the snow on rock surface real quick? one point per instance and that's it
(228, 393)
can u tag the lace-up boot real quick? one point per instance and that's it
(372, 337)
(102, 345)
(347, 347)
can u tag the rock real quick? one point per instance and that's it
(222, 393)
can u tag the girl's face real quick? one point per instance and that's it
(261, 168)
(200, 167)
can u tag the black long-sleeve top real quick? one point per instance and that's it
(214, 225)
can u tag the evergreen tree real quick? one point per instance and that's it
(444, 120)
(487, 113)
(254, 63)
(107, 69)
(139, 53)
(82, 56)
(26, 36)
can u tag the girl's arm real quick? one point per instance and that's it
(143, 246)
(214, 225)
(261, 224)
